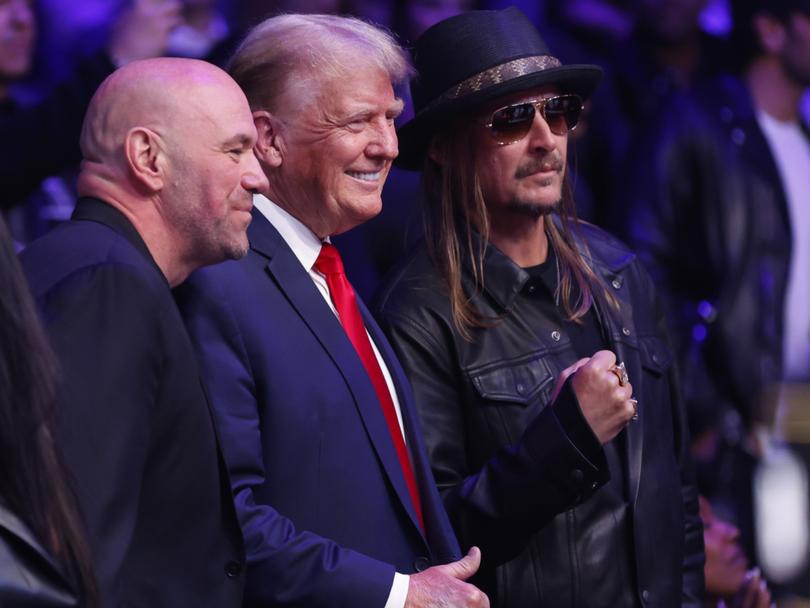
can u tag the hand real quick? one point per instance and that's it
(753, 593)
(444, 586)
(564, 375)
(142, 31)
(605, 404)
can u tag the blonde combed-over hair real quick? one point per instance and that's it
(285, 49)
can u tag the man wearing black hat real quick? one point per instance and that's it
(721, 213)
(521, 331)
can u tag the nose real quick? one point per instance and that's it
(253, 179)
(540, 135)
(384, 143)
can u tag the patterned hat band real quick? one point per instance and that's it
(500, 73)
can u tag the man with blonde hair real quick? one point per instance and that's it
(166, 187)
(331, 482)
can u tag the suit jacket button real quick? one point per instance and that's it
(232, 569)
(421, 563)
(577, 475)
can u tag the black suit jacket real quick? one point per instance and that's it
(134, 422)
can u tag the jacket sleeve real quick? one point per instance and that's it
(497, 505)
(285, 566)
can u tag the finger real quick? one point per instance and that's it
(564, 375)
(572, 369)
(603, 360)
(621, 397)
(764, 596)
(750, 589)
(466, 566)
(634, 404)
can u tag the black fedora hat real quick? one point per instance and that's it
(475, 57)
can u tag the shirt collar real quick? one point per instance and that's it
(304, 243)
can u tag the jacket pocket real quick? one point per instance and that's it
(656, 356)
(513, 383)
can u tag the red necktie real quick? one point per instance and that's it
(331, 266)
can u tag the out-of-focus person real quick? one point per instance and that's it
(166, 185)
(665, 51)
(41, 137)
(44, 558)
(729, 581)
(718, 209)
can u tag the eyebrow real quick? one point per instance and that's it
(362, 111)
(242, 139)
(397, 107)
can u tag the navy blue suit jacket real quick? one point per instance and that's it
(323, 504)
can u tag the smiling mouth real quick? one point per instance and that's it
(365, 176)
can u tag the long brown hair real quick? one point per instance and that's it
(455, 212)
(33, 479)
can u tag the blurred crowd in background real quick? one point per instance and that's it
(674, 155)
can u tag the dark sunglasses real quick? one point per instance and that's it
(510, 124)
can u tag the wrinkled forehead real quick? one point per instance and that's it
(366, 87)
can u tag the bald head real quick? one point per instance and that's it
(153, 94)
(168, 142)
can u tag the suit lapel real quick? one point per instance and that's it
(296, 284)
(413, 435)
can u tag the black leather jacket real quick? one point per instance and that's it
(709, 219)
(29, 576)
(512, 469)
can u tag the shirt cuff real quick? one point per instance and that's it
(399, 591)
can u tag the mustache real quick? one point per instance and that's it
(536, 165)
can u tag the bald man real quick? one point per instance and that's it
(166, 187)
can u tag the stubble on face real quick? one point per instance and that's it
(534, 209)
(212, 207)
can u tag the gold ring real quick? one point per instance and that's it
(621, 373)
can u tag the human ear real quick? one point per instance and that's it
(144, 156)
(437, 150)
(269, 148)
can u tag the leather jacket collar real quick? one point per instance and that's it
(505, 279)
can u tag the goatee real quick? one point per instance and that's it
(532, 210)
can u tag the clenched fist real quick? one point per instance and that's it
(606, 405)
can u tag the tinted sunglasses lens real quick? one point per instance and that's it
(510, 124)
(562, 113)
